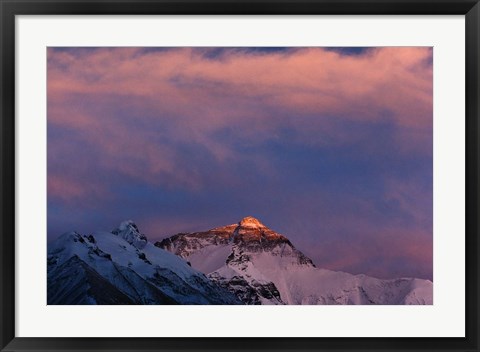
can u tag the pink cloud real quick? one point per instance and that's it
(312, 80)
(307, 91)
(72, 191)
(412, 197)
(378, 252)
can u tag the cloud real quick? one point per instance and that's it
(314, 80)
(383, 253)
(181, 95)
(72, 191)
(330, 147)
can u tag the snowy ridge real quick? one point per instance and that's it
(261, 266)
(129, 232)
(126, 267)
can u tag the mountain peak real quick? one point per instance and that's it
(251, 230)
(251, 223)
(124, 225)
(128, 230)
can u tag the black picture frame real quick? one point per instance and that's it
(10, 8)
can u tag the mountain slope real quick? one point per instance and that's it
(263, 267)
(74, 282)
(124, 259)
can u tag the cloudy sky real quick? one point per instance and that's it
(331, 147)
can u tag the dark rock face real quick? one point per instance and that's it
(249, 293)
(239, 287)
(183, 244)
(74, 282)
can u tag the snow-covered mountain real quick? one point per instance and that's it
(122, 267)
(261, 266)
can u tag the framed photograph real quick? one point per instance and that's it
(239, 176)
